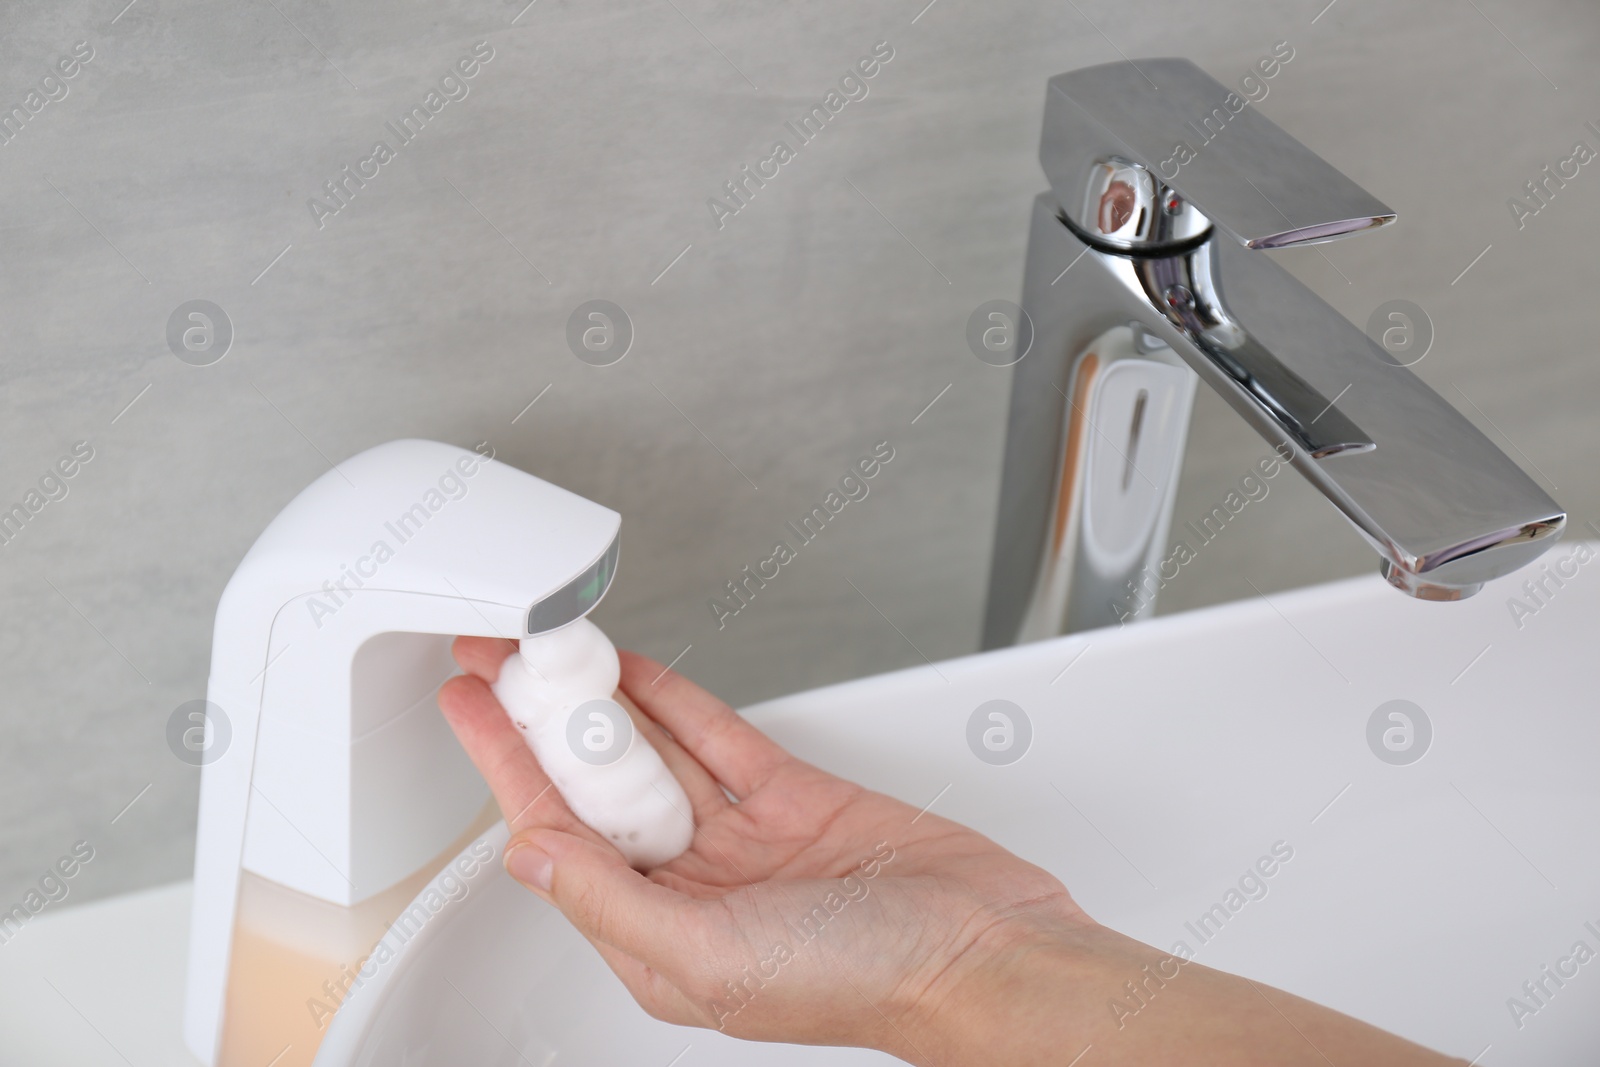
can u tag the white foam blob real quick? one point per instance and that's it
(633, 800)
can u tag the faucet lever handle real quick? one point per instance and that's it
(1147, 153)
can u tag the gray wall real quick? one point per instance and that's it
(822, 318)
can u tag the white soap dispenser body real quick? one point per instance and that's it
(341, 782)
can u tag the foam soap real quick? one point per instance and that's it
(559, 691)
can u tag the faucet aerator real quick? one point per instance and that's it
(1422, 588)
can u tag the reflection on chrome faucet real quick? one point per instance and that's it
(1141, 589)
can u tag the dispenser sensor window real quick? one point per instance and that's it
(575, 599)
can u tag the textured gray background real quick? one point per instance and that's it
(180, 164)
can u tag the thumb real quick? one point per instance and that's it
(602, 896)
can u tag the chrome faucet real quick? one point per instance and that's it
(1167, 186)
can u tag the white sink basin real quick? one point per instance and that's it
(1167, 758)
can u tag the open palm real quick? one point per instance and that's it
(805, 905)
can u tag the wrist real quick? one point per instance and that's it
(1027, 984)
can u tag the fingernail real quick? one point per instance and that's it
(529, 865)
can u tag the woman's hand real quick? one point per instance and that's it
(811, 910)
(806, 909)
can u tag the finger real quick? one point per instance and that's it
(496, 748)
(705, 795)
(737, 754)
(482, 655)
(608, 901)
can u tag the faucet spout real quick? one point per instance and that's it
(1443, 506)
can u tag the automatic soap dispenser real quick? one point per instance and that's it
(340, 790)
